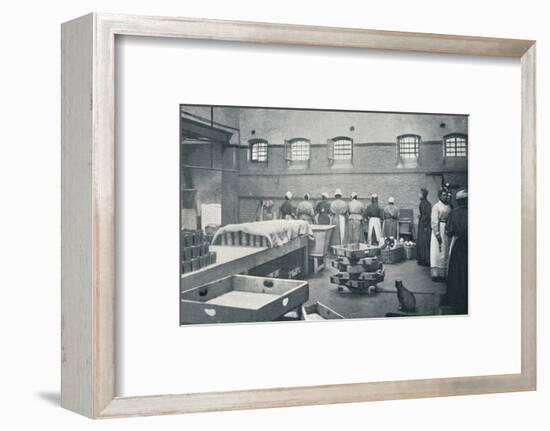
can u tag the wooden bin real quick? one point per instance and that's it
(356, 251)
(410, 253)
(242, 298)
(322, 234)
(319, 247)
(393, 255)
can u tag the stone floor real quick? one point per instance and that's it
(351, 305)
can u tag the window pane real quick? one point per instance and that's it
(258, 152)
(409, 146)
(342, 149)
(299, 150)
(456, 146)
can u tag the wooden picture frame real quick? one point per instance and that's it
(88, 214)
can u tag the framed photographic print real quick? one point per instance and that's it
(363, 243)
(263, 215)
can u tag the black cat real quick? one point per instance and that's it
(407, 301)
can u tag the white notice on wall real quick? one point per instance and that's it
(211, 214)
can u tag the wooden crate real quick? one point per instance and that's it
(242, 298)
(392, 255)
(377, 276)
(339, 278)
(371, 264)
(356, 251)
(410, 252)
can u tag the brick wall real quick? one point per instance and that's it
(276, 125)
(374, 168)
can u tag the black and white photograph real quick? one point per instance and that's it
(308, 214)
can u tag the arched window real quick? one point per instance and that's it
(258, 150)
(340, 149)
(455, 145)
(297, 150)
(408, 146)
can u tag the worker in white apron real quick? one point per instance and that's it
(439, 246)
(339, 213)
(355, 220)
(374, 215)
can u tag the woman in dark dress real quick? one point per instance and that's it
(457, 276)
(287, 211)
(391, 220)
(322, 210)
(424, 229)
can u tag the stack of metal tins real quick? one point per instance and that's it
(195, 251)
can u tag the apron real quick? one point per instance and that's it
(375, 230)
(340, 232)
(355, 229)
(439, 259)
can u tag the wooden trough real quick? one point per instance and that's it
(320, 245)
(242, 298)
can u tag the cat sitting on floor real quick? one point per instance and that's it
(407, 301)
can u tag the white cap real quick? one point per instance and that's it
(306, 196)
(353, 195)
(338, 192)
(462, 194)
(325, 195)
(391, 200)
(288, 195)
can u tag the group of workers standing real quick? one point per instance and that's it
(355, 222)
(442, 244)
(441, 240)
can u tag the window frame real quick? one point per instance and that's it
(251, 144)
(403, 157)
(456, 155)
(289, 143)
(331, 146)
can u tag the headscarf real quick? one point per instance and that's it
(462, 194)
